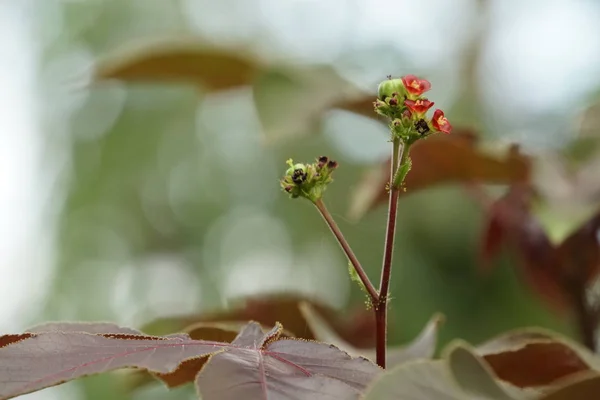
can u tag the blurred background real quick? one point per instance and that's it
(129, 202)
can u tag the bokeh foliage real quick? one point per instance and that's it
(172, 203)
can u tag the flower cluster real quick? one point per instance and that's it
(402, 101)
(308, 180)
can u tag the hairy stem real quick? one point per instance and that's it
(399, 157)
(349, 253)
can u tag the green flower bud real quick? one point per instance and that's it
(389, 87)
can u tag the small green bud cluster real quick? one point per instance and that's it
(308, 180)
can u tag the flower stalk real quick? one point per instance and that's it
(372, 292)
(402, 102)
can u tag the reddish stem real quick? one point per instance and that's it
(399, 157)
(349, 253)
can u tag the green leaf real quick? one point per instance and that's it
(402, 171)
(474, 376)
(428, 380)
(178, 60)
(418, 380)
(354, 276)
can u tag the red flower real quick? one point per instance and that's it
(415, 86)
(419, 106)
(440, 122)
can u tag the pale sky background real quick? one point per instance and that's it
(548, 49)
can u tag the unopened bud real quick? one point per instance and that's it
(390, 87)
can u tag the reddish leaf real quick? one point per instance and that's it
(549, 270)
(50, 358)
(493, 237)
(188, 370)
(362, 106)
(442, 159)
(178, 60)
(585, 387)
(536, 364)
(266, 365)
(268, 310)
(580, 252)
(8, 339)
(530, 358)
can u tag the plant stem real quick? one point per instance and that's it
(399, 157)
(349, 253)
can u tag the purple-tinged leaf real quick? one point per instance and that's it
(325, 359)
(249, 375)
(252, 335)
(50, 358)
(286, 369)
(255, 365)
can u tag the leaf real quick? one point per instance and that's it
(423, 346)
(418, 380)
(442, 159)
(569, 195)
(362, 105)
(188, 370)
(281, 368)
(585, 388)
(293, 101)
(579, 252)
(402, 171)
(178, 60)
(267, 310)
(354, 277)
(536, 357)
(49, 358)
(548, 268)
(473, 376)
(509, 220)
(462, 376)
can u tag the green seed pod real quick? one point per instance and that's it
(290, 170)
(390, 86)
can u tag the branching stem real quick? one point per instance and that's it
(349, 253)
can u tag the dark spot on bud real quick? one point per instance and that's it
(299, 176)
(332, 164)
(421, 126)
(393, 101)
(289, 188)
(322, 161)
